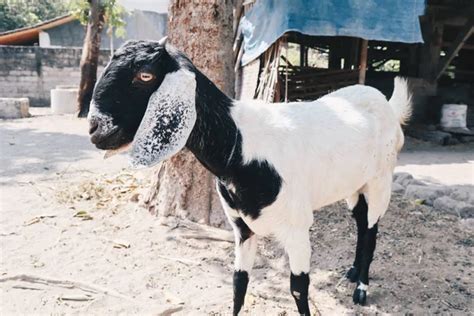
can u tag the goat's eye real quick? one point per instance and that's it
(145, 76)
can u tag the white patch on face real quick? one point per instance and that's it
(168, 120)
(105, 121)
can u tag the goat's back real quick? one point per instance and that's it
(326, 149)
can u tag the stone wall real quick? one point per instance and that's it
(138, 25)
(31, 71)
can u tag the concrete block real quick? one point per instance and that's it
(11, 108)
(64, 100)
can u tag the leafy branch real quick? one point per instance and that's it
(114, 15)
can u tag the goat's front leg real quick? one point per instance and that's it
(245, 251)
(298, 247)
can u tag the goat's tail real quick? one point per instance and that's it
(401, 100)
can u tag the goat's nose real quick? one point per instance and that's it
(93, 126)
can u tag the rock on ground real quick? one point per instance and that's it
(12, 108)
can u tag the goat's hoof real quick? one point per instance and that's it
(359, 297)
(353, 274)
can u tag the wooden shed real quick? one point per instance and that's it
(440, 68)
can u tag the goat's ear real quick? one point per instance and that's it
(163, 41)
(168, 120)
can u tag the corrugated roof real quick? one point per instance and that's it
(30, 34)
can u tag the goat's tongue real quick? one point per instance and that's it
(113, 152)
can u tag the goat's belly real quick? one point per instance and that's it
(330, 191)
(296, 202)
(339, 179)
(309, 189)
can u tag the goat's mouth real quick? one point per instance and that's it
(113, 140)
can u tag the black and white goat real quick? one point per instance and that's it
(274, 163)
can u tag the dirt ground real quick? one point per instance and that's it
(74, 240)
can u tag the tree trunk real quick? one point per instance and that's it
(203, 29)
(90, 56)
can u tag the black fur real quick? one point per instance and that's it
(254, 186)
(366, 241)
(299, 290)
(369, 241)
(217, 144)
(359, 297)
(245, 231)
(360, 215)
(241, 280)
(125, 99)
(353, 274)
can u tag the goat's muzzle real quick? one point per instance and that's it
(104, 136)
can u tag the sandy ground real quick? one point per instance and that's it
(74, 240)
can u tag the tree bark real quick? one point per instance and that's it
(90, 56)
(203, 29)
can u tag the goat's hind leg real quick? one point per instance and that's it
(367, 214)
(359, 272)
(359, 212)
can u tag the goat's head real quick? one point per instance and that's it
(144, 98)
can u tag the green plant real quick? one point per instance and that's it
(16, 14)
(114, 15)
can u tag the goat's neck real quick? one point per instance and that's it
(215, 139)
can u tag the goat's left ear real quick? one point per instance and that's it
(168, 120)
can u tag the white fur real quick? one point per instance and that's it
(105, 121)
(244, 252)
(335, 148)
(174, 100)
(401, 100)
(363, 287)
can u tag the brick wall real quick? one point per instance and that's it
(31, 71)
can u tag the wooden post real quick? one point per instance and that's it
(334, 53)
(355, 49)
(433, 39)
(303, 55)
(458, 43)
(90, 56)
(363, 61)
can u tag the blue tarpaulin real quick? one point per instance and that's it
(384, 20)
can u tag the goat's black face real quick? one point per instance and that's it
(122, 93)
